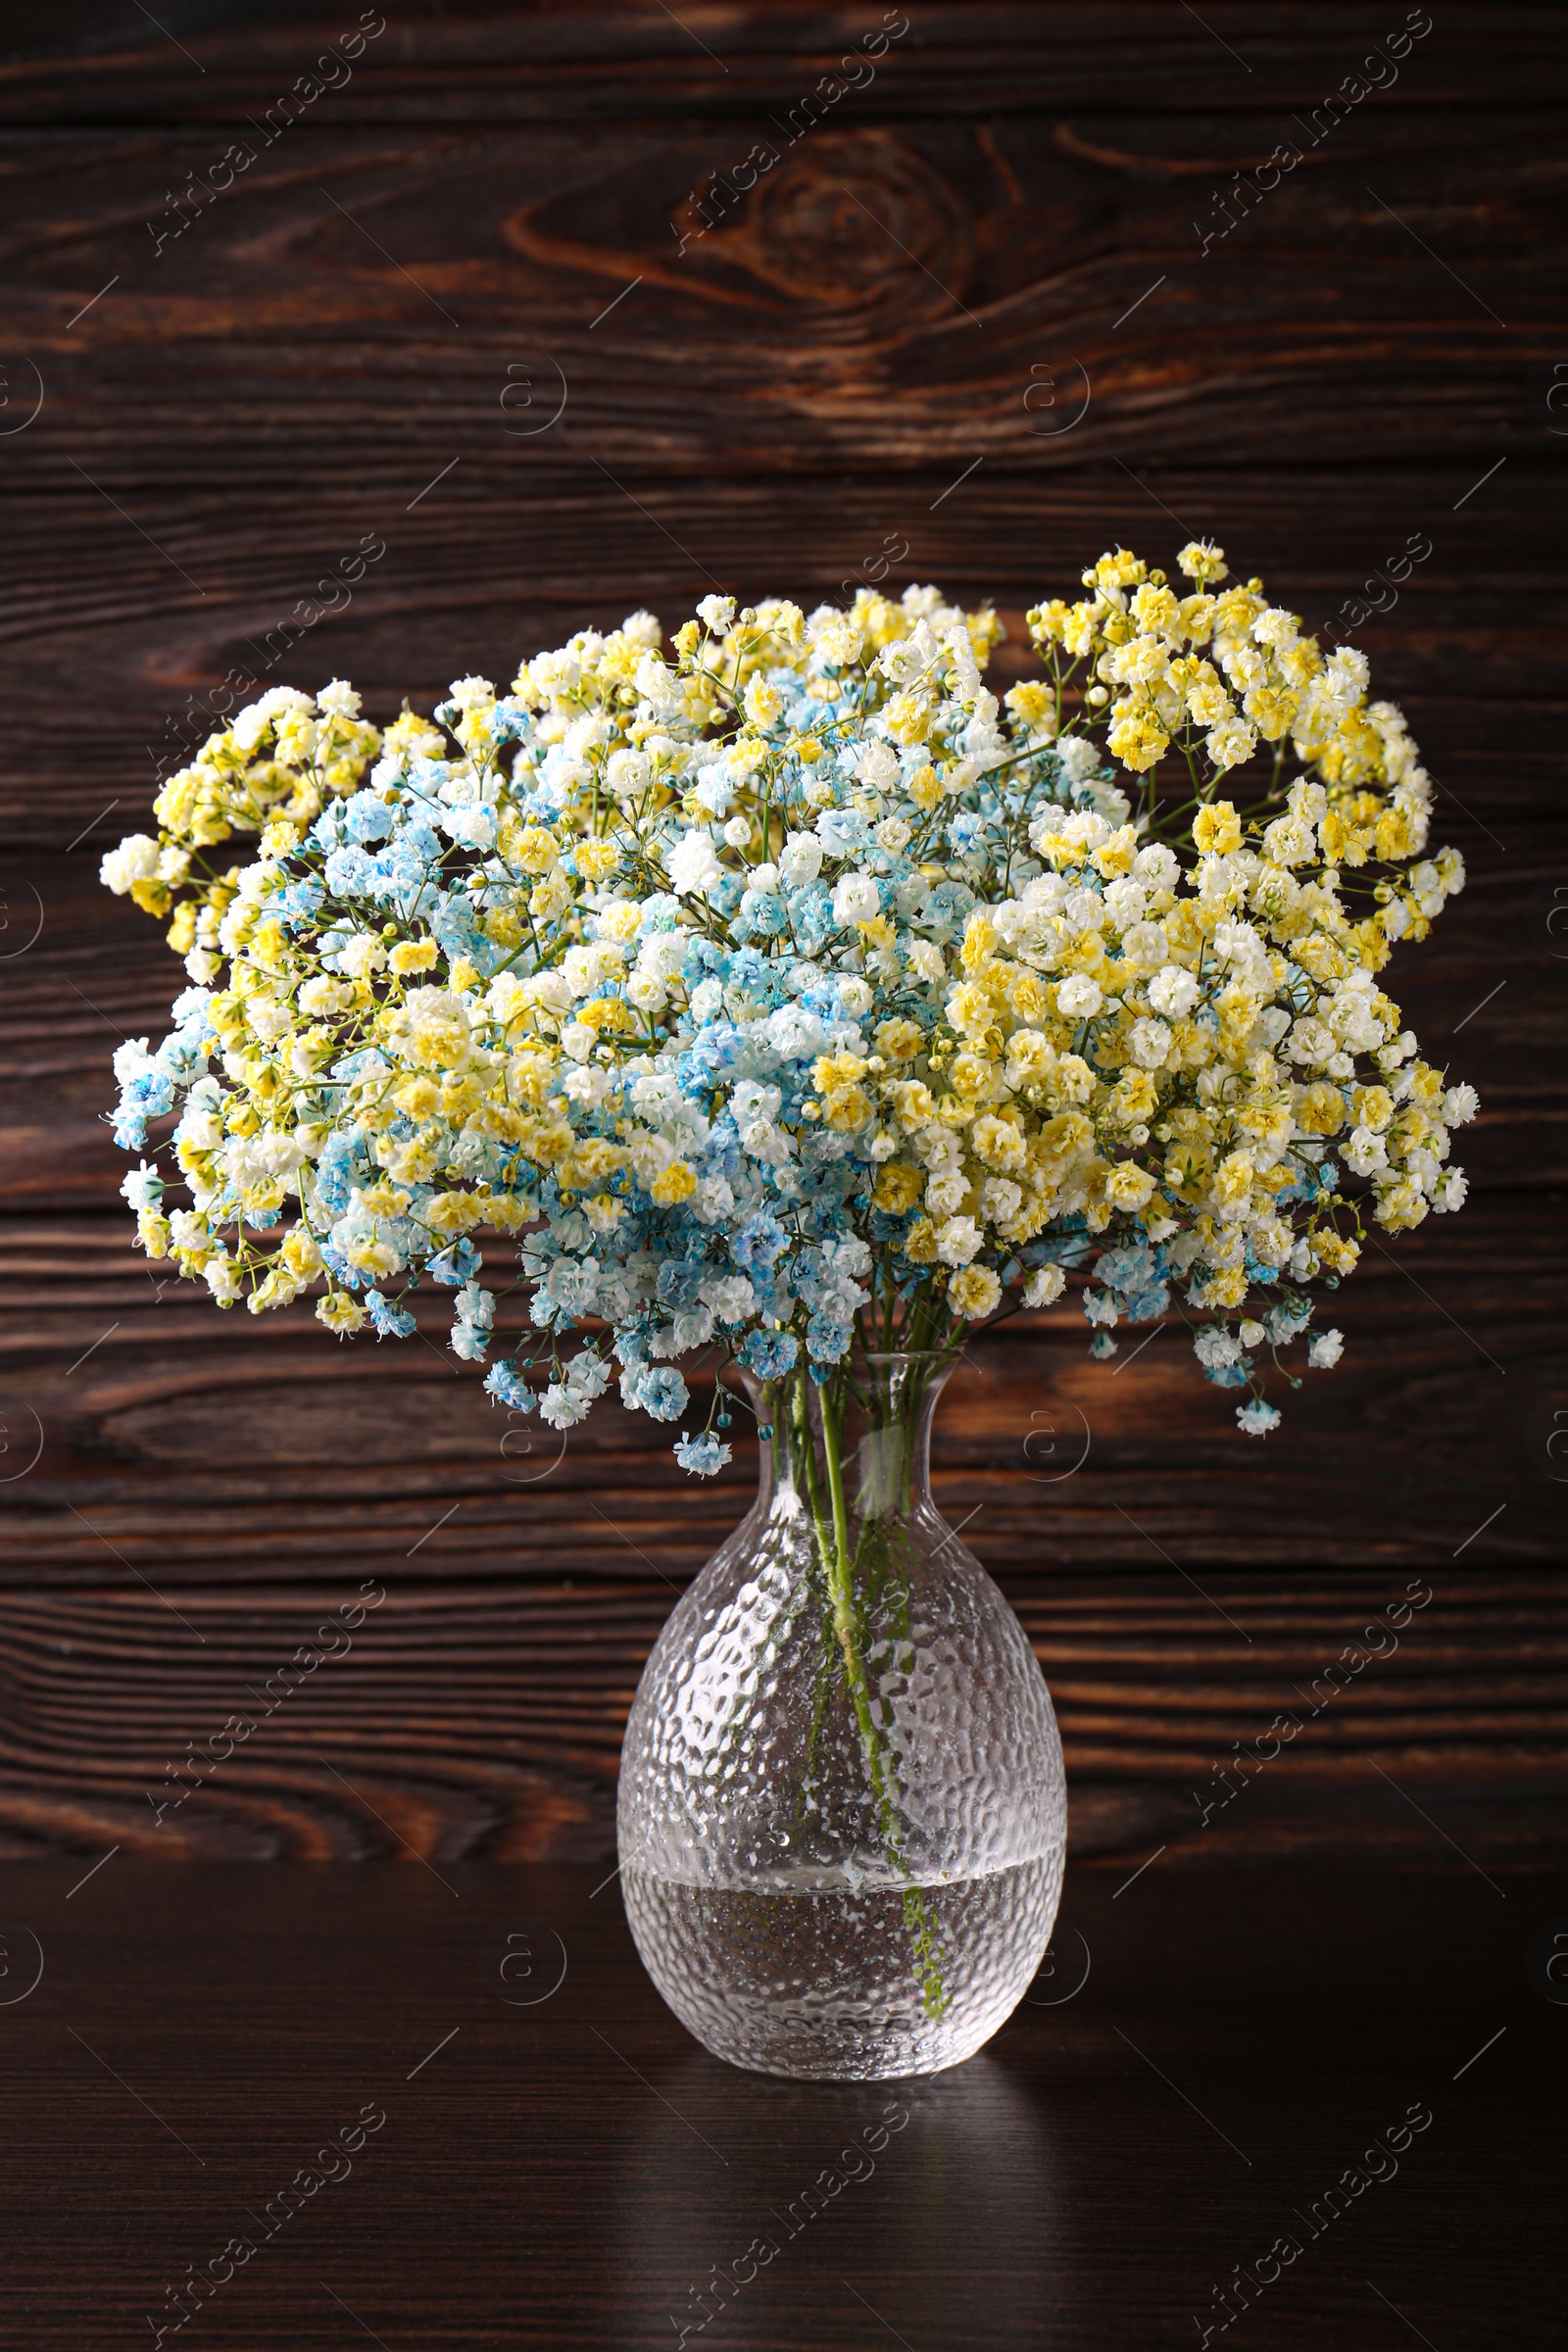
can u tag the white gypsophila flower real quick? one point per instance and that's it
(143, 1188)
(1230, 741)
(1149, 1042)
(134, 861)
(279, 703)
(835, 639)
(1084, 910)
(800, 859)
(958, 1240)
(876, 765)
(1363, 1151)
(1311, 1041)
(222, 1280)
(564, 1408)
(731, 1296)
(1126, 902)
(945, 1195)
(1173, 990)
(693, 866)
(856, 899)
(1325, 1351)
(1079, 997)
(660, 686)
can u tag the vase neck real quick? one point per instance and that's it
(855, 1446)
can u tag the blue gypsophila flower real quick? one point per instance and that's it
(661, 1391)
(502, 1384)
(349, 873)
(827, 1335)
(391, 1322)
(760, 1241)
(457, 1264)
(770, 1354)
(366, 817)
(704, 1455)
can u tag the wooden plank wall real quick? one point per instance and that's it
(968, 315)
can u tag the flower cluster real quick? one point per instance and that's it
(786, 993)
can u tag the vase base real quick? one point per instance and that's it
(848, 1984)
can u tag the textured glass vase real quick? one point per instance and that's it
(842, 1810)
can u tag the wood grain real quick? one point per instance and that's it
(573, 2173)
(494, 203)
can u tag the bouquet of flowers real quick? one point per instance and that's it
(790, 999)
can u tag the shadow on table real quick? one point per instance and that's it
(746, 2208)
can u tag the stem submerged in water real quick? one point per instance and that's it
(847, 1568)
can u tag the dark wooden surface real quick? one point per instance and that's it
(1369, 355)
(571, 2173)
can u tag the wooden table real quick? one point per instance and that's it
(556, 2164)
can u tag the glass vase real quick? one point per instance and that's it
(842, 1810)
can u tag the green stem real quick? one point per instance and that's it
(843, 1601)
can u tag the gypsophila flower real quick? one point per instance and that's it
(705, 1456)
(507, 1389)
(782, 989)
(563, 1407)
(1215, 1348)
